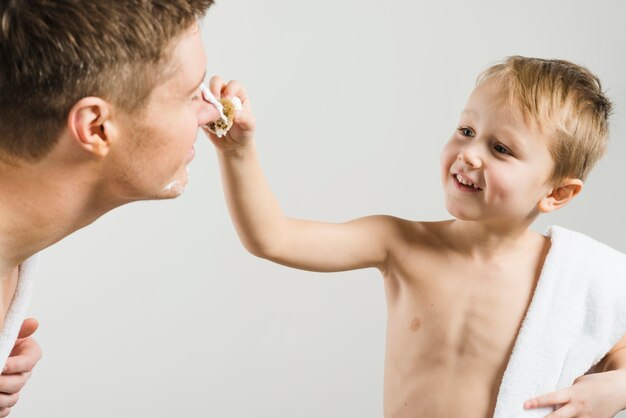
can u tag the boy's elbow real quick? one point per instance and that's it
(264, 242)
(258, 248)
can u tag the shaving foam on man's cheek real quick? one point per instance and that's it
(227, 109)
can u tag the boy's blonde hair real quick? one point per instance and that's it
(566, 101)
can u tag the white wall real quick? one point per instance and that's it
(157, 310)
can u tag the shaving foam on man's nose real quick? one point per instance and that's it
(226, 108)
(209, 97)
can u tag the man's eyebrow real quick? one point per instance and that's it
(197, 86)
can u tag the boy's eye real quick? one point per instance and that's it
(465, 131)
(501, 149)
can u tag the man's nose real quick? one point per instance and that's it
(207, 113)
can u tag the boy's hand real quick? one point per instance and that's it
(244, 123)
(25, 355)
(599, 395)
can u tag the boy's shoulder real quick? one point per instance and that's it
(412, 232)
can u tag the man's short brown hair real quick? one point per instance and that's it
(55, 52)
(566, 101)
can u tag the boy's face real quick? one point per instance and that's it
(506, 159)
(156, 146)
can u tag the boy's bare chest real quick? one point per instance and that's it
(453, 325)
(472, 314)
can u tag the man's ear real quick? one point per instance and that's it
(560, 195)
(90, 125)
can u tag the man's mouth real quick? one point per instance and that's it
(465, 182)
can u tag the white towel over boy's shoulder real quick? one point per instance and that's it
(577, 314)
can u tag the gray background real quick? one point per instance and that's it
(157, 310)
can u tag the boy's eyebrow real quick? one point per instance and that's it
(504, 134)
(511, 137)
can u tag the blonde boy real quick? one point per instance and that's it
(530, 133)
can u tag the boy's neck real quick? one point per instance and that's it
(486, 242)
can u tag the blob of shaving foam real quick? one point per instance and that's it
(227, 109)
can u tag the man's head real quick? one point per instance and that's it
(531, 131)
(95, 71)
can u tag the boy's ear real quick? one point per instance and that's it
(560, 195)
(90, 125)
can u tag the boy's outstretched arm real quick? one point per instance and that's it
(601, 394)
(260, 222)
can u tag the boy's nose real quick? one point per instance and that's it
(470, 159)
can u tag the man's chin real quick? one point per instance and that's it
(173, 190)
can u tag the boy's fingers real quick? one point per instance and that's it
(29, 326)
(245, 120)
(554, 398)
(567, 411)
(235, 88)
(216, 84)
(232, 89)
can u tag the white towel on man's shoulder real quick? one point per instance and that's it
(577, 314)
(17, 309)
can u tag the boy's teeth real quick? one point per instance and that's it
(465, 182)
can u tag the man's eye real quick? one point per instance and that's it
(466, 131)
(502, 149)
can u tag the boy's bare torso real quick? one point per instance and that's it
(452, 322)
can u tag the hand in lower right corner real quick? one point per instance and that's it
(244, 122)
(598, 395)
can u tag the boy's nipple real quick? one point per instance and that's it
(416, 325)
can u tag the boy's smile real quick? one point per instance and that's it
(496, 165)
(465, 183)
